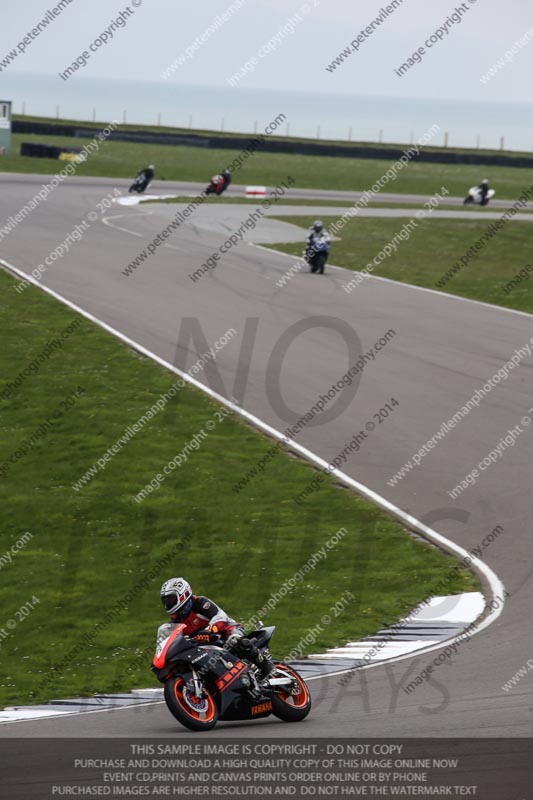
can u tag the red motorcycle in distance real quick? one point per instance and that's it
(219, 183)
(204, 682)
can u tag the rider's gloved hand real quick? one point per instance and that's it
(233, 639)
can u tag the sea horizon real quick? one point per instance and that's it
(342, 117)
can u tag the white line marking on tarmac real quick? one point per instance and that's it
(493, 306)
(458, 610)
(79, 713)
(134, 233)
(494, 583)
(135, 200)
(105, 220)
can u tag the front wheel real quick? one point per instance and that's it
(195, 714)
(291, 704)
(468, 200)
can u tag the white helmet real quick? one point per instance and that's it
(176, 596)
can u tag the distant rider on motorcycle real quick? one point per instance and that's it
(227, 178)
(199, 613)
(484, 189)
(147, 173)
(315, 234)
(219, 183)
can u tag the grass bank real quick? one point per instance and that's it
(96, 558)
(333, 203)
(499, 273)
(124, 159)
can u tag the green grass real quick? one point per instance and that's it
(431, 251)
(229, 199)
(333, 203)
(246, 136)
(89, 548)
(124, 159)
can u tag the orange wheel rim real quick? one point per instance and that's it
(298, 700)
(203, 714)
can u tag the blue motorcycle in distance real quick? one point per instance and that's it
(316, 254)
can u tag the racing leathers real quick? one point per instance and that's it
(484, 189)
(205, 613)
(147, 173)
(315, 236)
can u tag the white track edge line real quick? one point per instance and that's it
(492, 306)
(494, 583)
(73, 714)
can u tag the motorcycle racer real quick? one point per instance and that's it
(317, 243)
(199, 613)
(227, 178)
(484, 189)
(317, 231)
(147, 173)
(219, 183)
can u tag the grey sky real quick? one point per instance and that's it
(161, 29)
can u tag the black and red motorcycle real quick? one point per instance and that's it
(218, 184)
(204, 682)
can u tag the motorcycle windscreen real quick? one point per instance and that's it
(166, 633)
(163, 632)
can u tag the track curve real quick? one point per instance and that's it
(442, 351)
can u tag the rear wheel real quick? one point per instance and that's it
(195, 714)
(291, 703)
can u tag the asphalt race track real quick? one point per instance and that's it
(443, 349)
